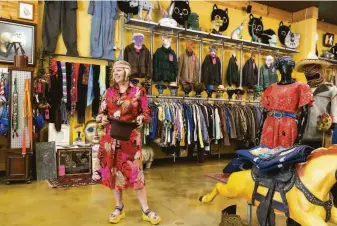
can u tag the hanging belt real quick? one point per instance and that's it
(281, 114)
(28, 118)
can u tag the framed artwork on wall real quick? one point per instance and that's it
(75, 161)
(328, 39)
(26, 11)
(17, 32)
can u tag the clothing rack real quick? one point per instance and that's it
(203, 99)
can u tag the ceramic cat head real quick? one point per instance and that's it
(181, 11)
(269, 37)
(292, 40)
(220, 18)
(255, 25)
(282, 32)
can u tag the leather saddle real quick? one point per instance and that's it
(276, 181)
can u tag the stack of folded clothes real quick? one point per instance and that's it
(266, 159)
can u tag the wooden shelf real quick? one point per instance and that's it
(205, 35)
(332, 61)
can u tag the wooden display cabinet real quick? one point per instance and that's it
(18, 166)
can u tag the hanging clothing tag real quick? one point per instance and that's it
(254, 65)
(171, 57)
(46, 114)
(193, 57)
(39, 87)
(138, 50)
(214, 60)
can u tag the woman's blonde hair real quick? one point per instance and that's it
(127, 75)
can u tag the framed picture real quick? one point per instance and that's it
(328, 39)
(46, 160)
(26, 11)
(74, 161)
(17, 32)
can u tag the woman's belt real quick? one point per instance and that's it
(281, 114)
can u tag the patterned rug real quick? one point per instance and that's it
(218, 177)
(71, 181)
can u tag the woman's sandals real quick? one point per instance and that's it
(117, 215)
(151, 217)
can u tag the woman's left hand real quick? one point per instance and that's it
(139, 120)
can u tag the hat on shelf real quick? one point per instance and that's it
(311, 59)
(173, 84)
(134, 81)
(161, 86)
(121, 64)
(239, 91)
(121, 130)
(199, 88)
(220, 88)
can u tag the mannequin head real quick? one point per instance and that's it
(212, 50)
(138, 40)
(189, 44)
(269, 60)
(121, 72)
(93, 132)
(286, 66)
(166, 41)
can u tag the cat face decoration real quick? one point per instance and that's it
(255, 27)
(283, 30)
(328, 39)
(181, 11)
(292, 40)
(219, 19)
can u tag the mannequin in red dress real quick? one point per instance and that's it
(281, 101)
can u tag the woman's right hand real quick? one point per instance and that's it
(105, 120)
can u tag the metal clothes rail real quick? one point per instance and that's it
(203, 99)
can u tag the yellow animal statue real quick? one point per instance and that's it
(318, 175)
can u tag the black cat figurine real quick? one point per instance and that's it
(220, 20)
(255, 28)
(181, 11)
(269, 37)
(283, 30)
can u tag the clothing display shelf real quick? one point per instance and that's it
(204, 99)
(202, 34)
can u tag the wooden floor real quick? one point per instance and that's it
(173, 192)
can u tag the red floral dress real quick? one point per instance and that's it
(120, 161)
(286, 98)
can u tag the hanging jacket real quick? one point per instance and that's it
(233, 75)
(249, 74)
(211, 73)
(268, 76)
(188, 68)
(165, 65)
(140, 62)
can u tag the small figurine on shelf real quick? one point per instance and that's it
(220, 91)
(181, 11)
(147, 86)
(161, 86)
(193, 22)
(255, 28)
(143, 5)
(210, 90)
(167, 19)
(230, 92)
(237, 33)
(269, 37)
(187, 87)
(173, 88)
(327, 54)
(283, 30)
(219, 20)
(239, 93)
(292, 40)
(199, 88)
(250, 94)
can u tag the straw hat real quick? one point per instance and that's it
(311, 59)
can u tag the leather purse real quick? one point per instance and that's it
(20, 60)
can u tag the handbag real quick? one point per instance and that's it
(20, 60)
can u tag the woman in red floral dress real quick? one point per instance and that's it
(121, 165)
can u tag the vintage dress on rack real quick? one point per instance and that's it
(324, 95)
(211, 70)
(283, 98)
(139, 60)
(268, 76)
(165, 65)
(188, 67)
(233, 75)
(121, 160)
(104, 14)
(250, 73)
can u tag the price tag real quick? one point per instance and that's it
(39, 87)
(46, 114)
(214, 60)
(193, 57)
(171, 57)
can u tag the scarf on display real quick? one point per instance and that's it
(2, 85)
(28, 117)
(73, 89)
(82, 84)
(64, 81)
(102, 78)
